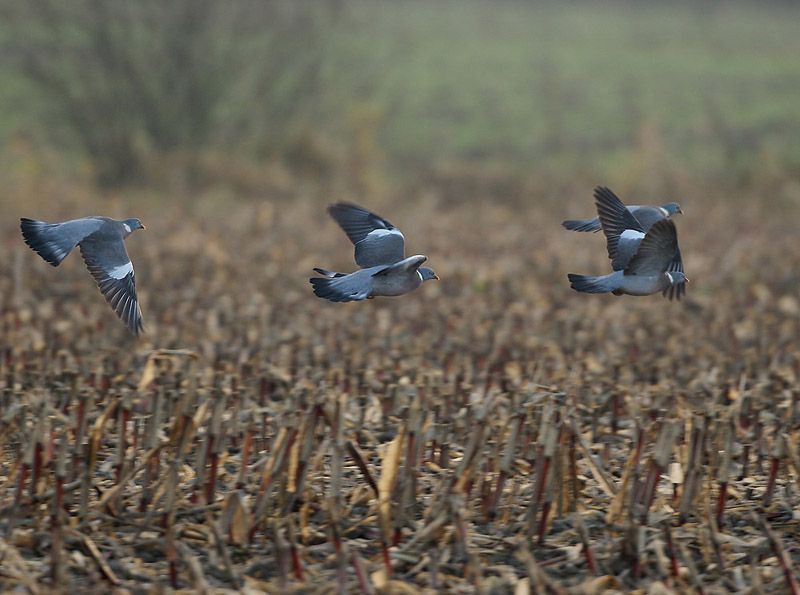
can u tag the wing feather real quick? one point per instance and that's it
(109, 264)
(377, 242)
(676, 266)
(615, 219)
(408, 264)
(657, 250)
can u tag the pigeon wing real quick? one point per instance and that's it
(411, 263)
(676, 266)
(377, 241)
(592, 225)
(112, 269)
(657, 250)
(54, 241)
(616, 219)
(357, 221)
(328, 274)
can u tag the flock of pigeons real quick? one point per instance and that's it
(642, 244)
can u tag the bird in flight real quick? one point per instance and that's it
(646, 215)
(643, 261)
(102, 245)
(379, 251)
(641, 219)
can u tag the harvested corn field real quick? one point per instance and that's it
(494, 432)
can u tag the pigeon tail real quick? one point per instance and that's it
(44, 240)
(675, 291)
(582, 224)
(340, 289)
(587, 284)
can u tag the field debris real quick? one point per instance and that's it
(497, 434)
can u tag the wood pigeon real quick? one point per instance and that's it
(379, 251)
(638, 219)
(646, 272)
(101, 240)
(644, 262)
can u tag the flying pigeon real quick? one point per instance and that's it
(619, 223)
(379, 251)
(103, 249)
(646, 215)
(646, 269)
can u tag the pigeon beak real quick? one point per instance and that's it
(436, 277)
(680, 210)
(143, 227)
(686, 279)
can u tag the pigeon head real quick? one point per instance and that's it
(131, 225)
(672, 208)
(676, 277)
(427, 274)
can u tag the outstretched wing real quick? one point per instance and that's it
(657, 250)
(328, 274)
(412, 263)
(592, 225)
(622, 230)
(112, 269)
(377, 241)
(54, 241)
(676, 266)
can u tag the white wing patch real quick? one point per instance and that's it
(121, 271)
(631, 234)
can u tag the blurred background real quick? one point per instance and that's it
(355, 95)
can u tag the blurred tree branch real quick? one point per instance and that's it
(137, 80)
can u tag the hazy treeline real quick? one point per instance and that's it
(128, 80)
(709, 89)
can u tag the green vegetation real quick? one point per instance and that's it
(713, 89)
(579, 82)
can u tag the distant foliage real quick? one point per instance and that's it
(162, 90)
(135, 80)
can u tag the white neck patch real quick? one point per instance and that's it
(664, 212)
(127, 227)
(671, 279)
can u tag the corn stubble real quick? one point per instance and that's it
(493, 433)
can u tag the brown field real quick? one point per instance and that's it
(492, 433)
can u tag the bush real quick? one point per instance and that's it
(132, 79)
